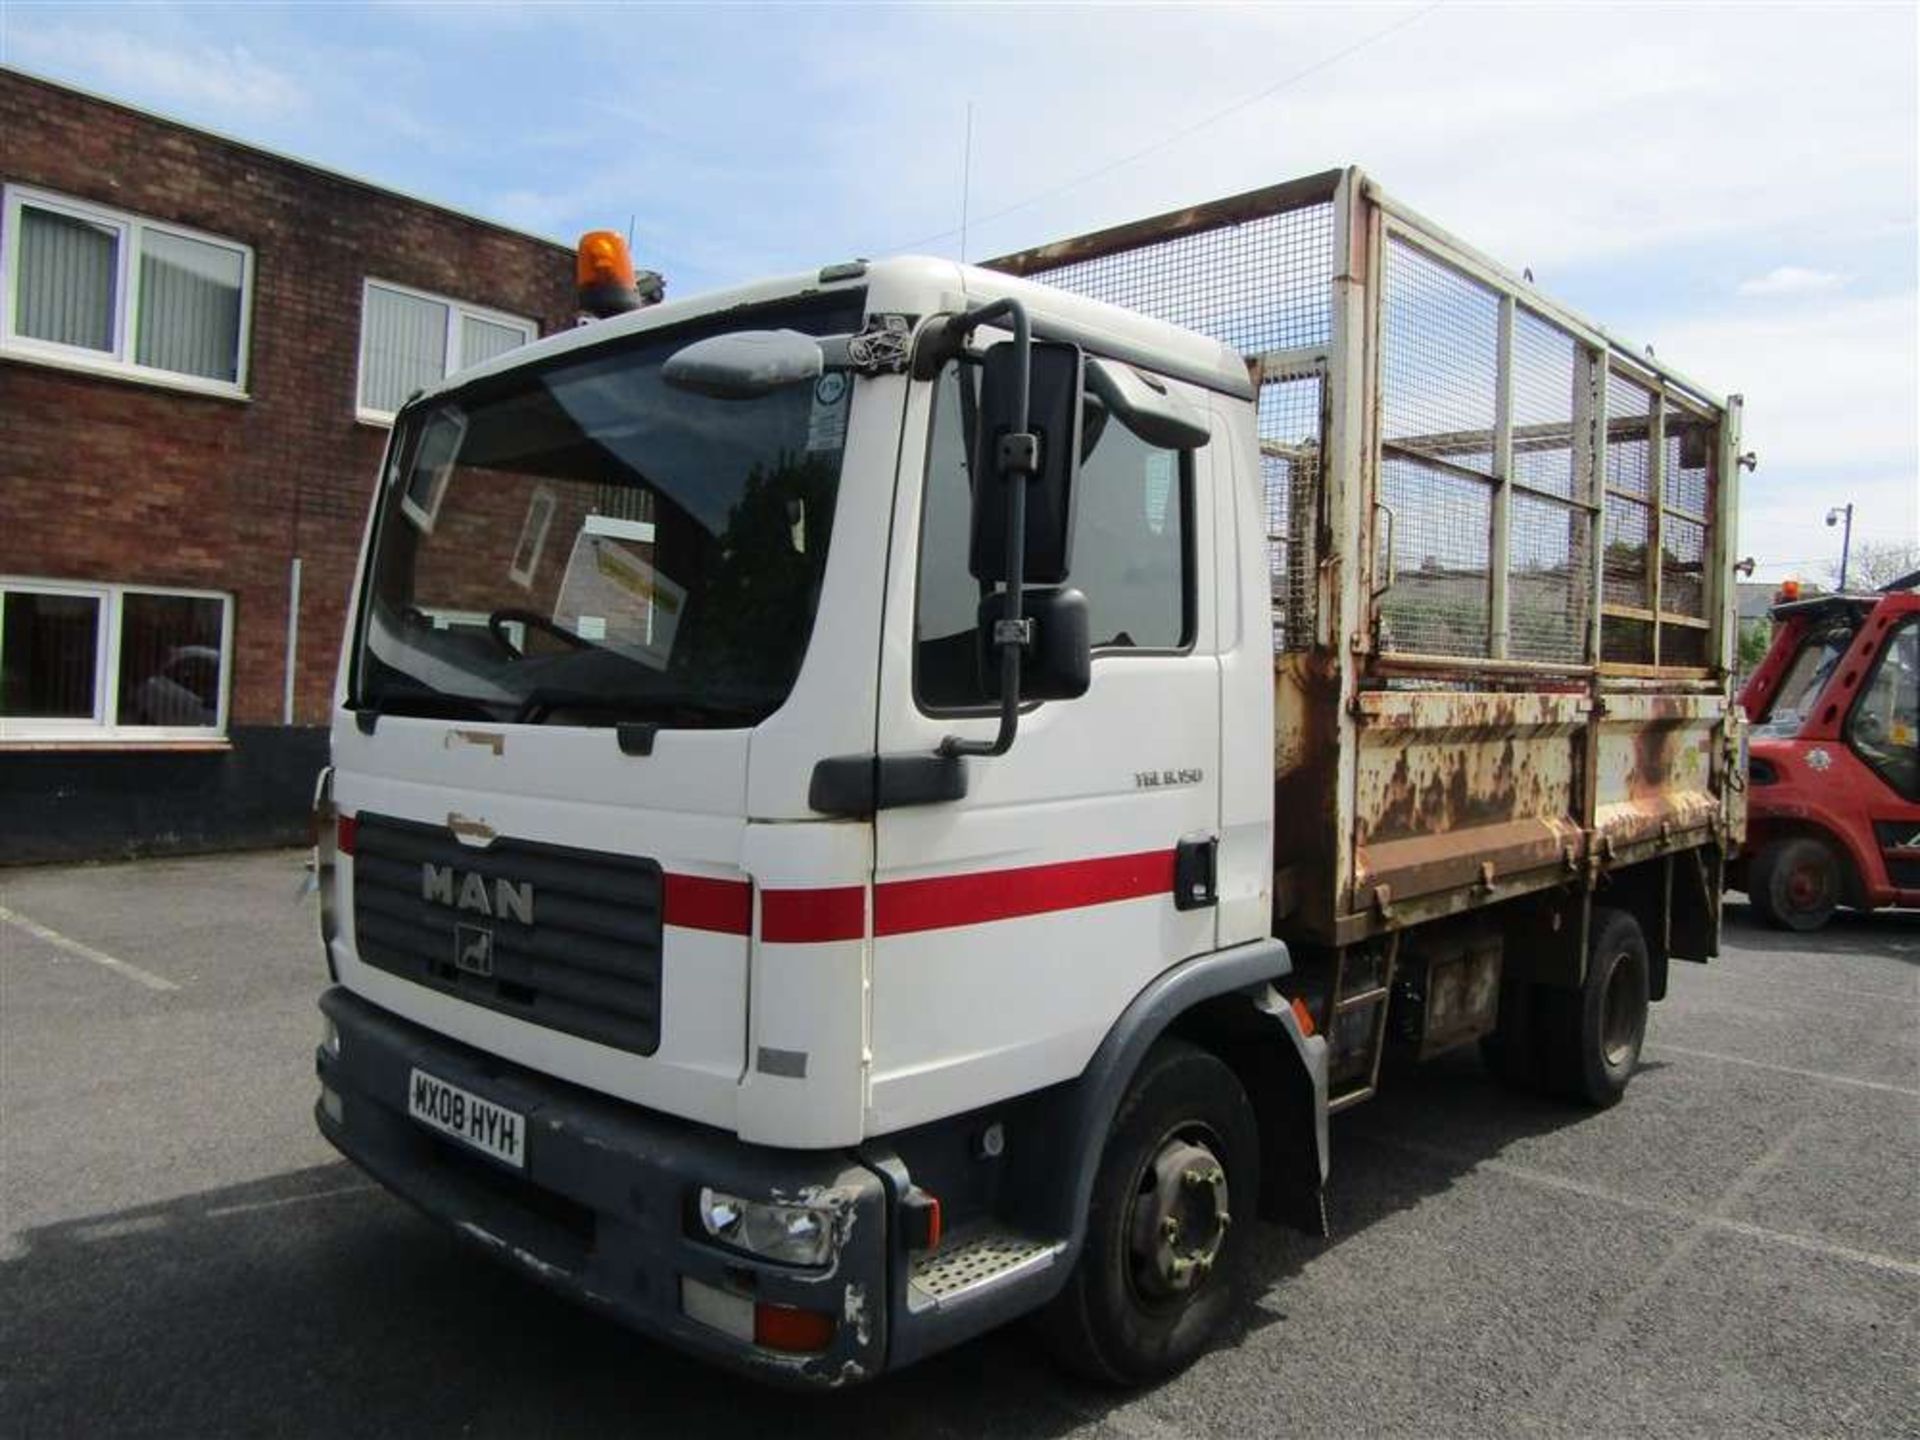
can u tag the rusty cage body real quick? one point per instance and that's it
(1500, 545)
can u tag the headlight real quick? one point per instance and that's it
(793, 1234)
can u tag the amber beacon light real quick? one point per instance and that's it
(605, 279)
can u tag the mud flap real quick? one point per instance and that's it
(1694, 881)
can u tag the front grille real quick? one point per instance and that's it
(587, 964)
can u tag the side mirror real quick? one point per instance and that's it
(1053, 397)
(1057, 663)
(744, 364)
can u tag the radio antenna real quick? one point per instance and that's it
(966, 181)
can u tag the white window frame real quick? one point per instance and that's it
(101, 728)
(126, 309)
(457, 310)
(541, 508)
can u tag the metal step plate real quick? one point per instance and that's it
(974, 1262)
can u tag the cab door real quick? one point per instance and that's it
(1883, 732)
(1011, 927)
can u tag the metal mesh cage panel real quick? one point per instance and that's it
(1261, 285)
(1439, 361)
(1688, 446)
(1624, 562)
(1291, 464)
(1629, 421)
(1626, 566)
(1548, 579)
(1626, 642)
(1544, 359)
(1439, 603)
(1683, 563)
(1683, 645)
(1459, 394)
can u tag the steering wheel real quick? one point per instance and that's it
(498, 621)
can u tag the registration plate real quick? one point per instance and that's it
(489, 1128)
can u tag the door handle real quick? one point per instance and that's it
(1196, 865)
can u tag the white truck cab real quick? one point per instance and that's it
(753, 916)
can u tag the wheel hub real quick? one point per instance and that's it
(1180, 1218)
(1807, 887)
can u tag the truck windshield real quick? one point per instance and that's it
(575, 543)
(1800, 687)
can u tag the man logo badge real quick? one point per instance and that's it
(473, 950)
(464, 890)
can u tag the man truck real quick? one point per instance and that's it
(873, 803)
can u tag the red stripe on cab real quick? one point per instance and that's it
(804, 917)
(695, 902)
(902, 907)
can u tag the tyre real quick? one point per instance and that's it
(1795, 883)
(1590, 1038)
(1167, 1226)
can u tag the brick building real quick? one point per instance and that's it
(201, 344)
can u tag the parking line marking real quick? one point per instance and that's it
(1709, 1220)
(1827, 1076)
(1614, 1323)
(86, 952)
(1786, 982)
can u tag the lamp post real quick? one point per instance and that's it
(1846, 537)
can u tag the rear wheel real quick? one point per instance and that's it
(1795, 883)
(1167, 1227)
(1590, 1038)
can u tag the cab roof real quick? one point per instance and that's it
(916, 286)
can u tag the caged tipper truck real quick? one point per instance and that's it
(870, 804)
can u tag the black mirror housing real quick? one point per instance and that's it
(1054, 406)
(744, 364)
(1057, 661)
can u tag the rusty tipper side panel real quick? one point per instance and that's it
(1499, 545)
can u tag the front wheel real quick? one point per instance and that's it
(1177, 1189)
(1795, 883)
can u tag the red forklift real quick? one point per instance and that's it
(1833, 802)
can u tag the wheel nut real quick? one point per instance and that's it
(1170, 1227)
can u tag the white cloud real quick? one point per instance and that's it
(1551, 136)
(1792, 280)
(225, 78)
(1830, 410)
(1826, 389)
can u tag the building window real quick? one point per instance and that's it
(97, 289)
(409, 340)
(112, 662)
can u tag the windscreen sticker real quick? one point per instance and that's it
(827, 418)
(613, 596)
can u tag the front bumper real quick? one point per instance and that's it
(600, 1211)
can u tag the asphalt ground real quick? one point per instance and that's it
(1734, 1250)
